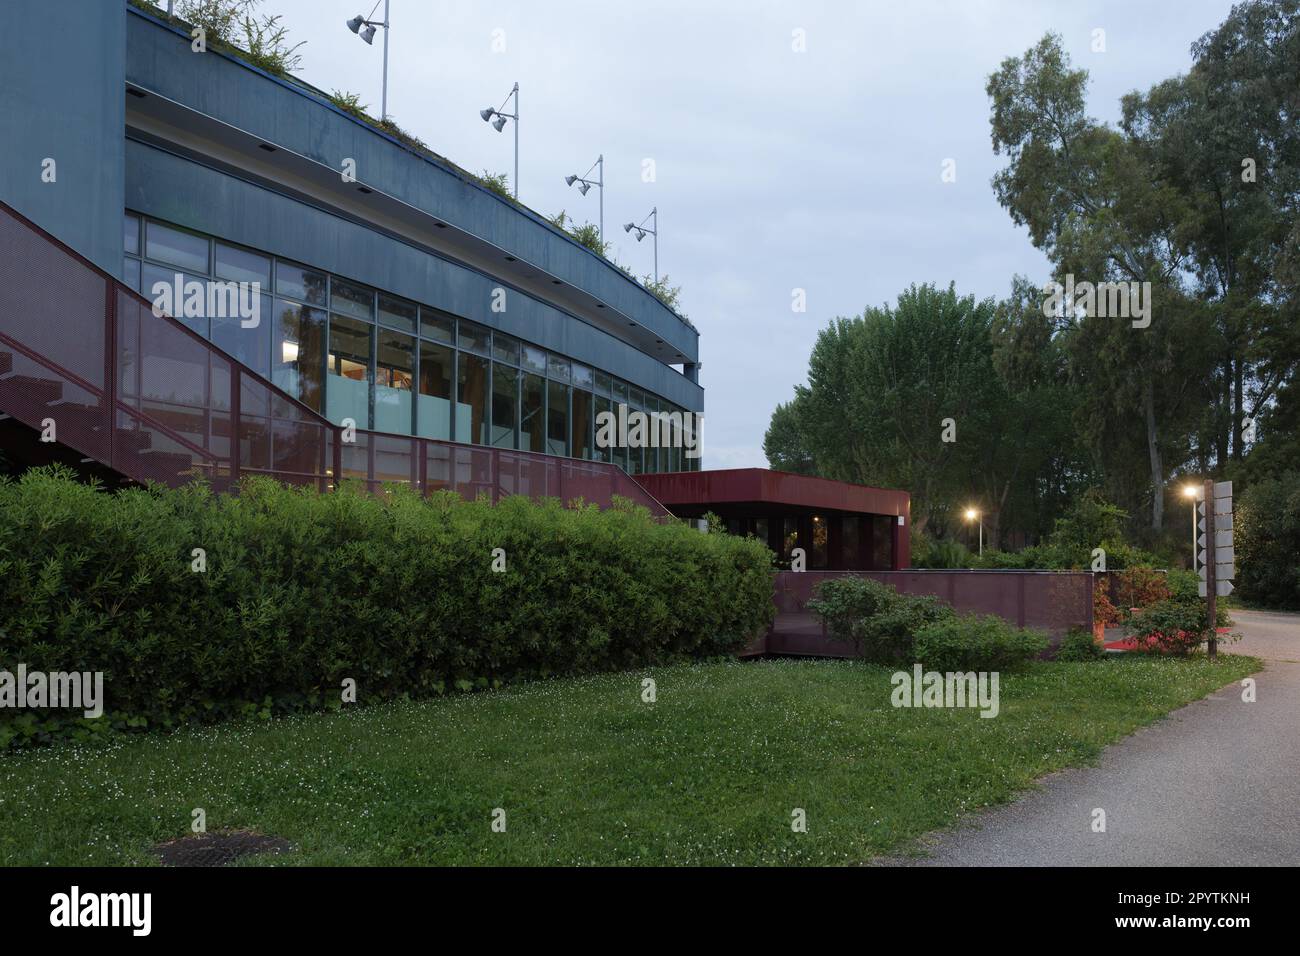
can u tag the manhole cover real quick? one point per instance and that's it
(218, 848)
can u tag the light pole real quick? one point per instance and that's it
(500, 122)
(356, 25)
(585, 184)
(1190, 492)
(643, 230)
(973, 515)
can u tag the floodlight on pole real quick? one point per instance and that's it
(500, 123)
(586, 184)
(642, 230)
(364, 27)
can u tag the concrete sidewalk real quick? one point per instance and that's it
(1216, 783)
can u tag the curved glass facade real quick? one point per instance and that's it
(353, 352)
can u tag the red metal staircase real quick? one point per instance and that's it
(147, 399)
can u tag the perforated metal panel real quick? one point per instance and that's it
(153, 401)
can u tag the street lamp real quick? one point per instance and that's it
(1190, 492)
(585, 184)
(973, 515)
(643, 230)
(364, 27)
(500, 123)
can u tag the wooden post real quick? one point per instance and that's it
(1211, 579)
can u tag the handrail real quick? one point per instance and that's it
(92, 387)
(416, 447)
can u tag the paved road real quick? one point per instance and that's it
(1216, 783)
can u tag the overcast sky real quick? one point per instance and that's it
(776, 169)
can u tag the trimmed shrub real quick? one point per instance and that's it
(1176, 627)
(972, 642)
(1079, 645)
(304, 590)
(1139, 587)
(873, 617)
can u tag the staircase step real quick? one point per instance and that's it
(41, 390)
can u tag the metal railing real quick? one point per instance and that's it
(154, 401)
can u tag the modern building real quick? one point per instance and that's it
(395, 290)
(340, 302)
(840, 526)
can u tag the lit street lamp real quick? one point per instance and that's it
(973, 515)
(1190, 492)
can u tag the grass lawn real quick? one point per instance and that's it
(588, 774)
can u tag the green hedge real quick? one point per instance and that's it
(303, 590)
(970, 642)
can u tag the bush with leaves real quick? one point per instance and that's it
(1267, 539)
(874, 618)
(1079, 645)
(971, 642)
(305, 590)
(1176, 627)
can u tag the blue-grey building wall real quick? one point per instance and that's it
(173, 188)
(62, 73)
(282, 113)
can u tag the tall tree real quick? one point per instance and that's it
(1089, 201)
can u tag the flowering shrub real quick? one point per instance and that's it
(1175, 627)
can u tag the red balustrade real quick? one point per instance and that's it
(154, 401)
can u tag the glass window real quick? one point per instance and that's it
(582, 376)
(299, 282)
(817, 559)
(347, 385)
(397, 313)
(351, 299)
(557, 419)
(762, 531)
(850, 541)
(131, 234)
(189, 306)
(175, 247)
(434, 412)
(603, 383)
(620, 392)
(790, 537)
(505, 349)
(532, 418)
(131, 273)
(298, 351)
(882, 541)
(558, 368)
(437, 326)
(654, 436)
(471, 399)
(394, 381)
(605, 437)
(243, 266)
(474, 338)
(534, 359)
(505, 405)
(582, 424)
(251, 343)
